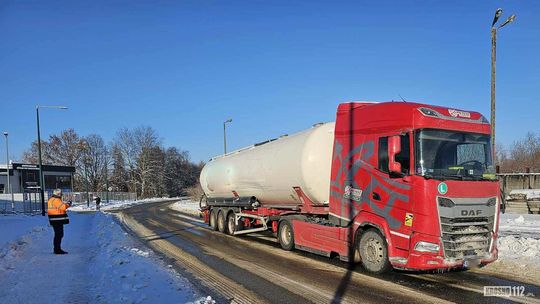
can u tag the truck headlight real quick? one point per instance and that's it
(427, 247)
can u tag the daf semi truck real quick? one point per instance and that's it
(391, 185)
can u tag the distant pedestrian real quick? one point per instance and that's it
(98, 202)
(56, 210)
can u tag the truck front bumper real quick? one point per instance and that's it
(436, 260)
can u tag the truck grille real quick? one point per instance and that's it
(466, 237)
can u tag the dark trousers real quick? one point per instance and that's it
(58, 235)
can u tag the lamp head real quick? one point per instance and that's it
(498, 14)
(228, 120)
(6, 133)
(509, 20)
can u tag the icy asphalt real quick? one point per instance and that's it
(254, 269)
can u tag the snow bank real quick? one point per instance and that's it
(526, 225)
(519, 247)
(529, 194)
(519, 237)
(186, 206)
(104, 265)
(13, 227)
(116, 205)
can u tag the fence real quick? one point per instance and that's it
(27, 203)
(30, 203)
(84, 197)
(515, 181)
(514, 187)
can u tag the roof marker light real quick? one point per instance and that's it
(428, 112)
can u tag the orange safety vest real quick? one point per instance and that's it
(56, 210)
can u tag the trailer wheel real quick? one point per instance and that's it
(213, 220)
(221, 224)
(231, 224)
(286, 235)
(374, 252)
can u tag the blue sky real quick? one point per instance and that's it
(274, 67)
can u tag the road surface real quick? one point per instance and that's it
(254, 268)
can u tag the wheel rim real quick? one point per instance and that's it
(374, 251)
(232, 225)
(286, 234)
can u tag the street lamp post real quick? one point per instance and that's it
(41, 182)
(225, 135)
(494, 29)
(8, 178)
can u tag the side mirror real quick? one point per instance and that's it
(394, 147)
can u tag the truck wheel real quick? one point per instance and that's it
(231, 224)
(286, 235)
(213, 220)
(221, 224)
(374, 252)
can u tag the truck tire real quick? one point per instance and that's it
(221, 222)
(231, 224)
(212, 220)
(286, 235)
(374, 252)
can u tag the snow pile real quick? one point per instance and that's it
(529, 194)
(527, 225)
(186, 206)
(519, 237)
(115, 205)
(13, 227)
(104, 265)
(515, 247)
(519, 247)
(207, 300)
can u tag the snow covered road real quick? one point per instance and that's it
(104, 265)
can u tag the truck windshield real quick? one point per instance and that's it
(442, 154)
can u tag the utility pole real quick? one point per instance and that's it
(9, 189)
(494, 30)
(107, 180)
(41, 182)
(225, 135)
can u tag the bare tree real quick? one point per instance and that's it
(136, 161)
(119, 177)
(176, 163)
(127, 147)
(31, 156)
(94, 162)
(524, 153)
(148, 161)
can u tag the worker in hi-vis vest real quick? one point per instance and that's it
(56, 209)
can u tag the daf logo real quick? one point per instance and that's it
(471, 212)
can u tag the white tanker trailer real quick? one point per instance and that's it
(268, 171)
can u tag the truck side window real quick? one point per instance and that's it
(403, 157)
(383, 154)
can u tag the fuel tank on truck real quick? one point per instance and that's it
(270, 170)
